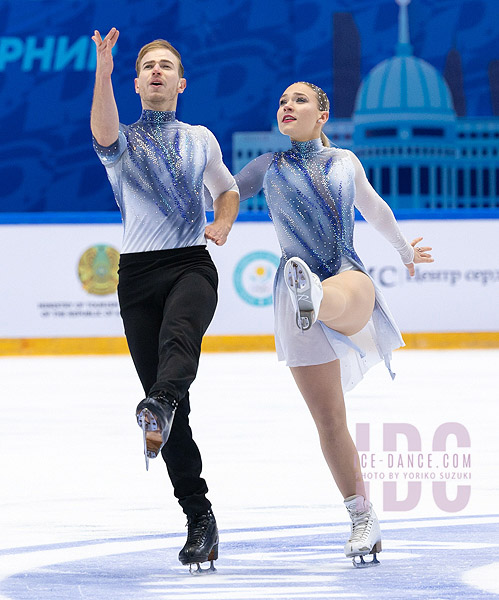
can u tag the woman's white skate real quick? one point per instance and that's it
(305, 290)
(365, 536)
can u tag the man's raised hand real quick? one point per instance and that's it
(104, 49)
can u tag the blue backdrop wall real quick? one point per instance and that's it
(239, 56)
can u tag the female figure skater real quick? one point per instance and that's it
(331, 323)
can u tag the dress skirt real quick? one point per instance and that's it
(320, 344)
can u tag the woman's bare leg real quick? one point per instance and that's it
(320, 386)
(348, 301)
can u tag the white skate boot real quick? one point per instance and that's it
(365, 536)
(305, 289)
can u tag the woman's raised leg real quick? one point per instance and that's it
(348, 301)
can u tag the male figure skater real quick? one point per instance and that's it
(167, 288)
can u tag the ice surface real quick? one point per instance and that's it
(81, 518)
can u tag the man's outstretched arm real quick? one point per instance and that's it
(104, 119)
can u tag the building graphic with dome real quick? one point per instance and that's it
(418, 154)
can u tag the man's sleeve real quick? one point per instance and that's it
(217, 177)
(109, 155)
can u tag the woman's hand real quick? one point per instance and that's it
(421, 255)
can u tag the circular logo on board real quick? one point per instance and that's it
(254, 277)
(98, 270)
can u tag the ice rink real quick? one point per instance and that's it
(81, 518)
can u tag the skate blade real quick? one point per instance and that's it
(145, 445)
(150, 433)
(304, 319)
(212, 557)
(302, 323)
(196, 569)
(363, 564)
(304, 310)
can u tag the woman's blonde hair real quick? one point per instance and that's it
(323, 103)
(159, 44)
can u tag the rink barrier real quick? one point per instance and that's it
(232, 343)
(478, 340)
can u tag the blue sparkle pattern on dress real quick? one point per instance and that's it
(157, 169)
(311, 194)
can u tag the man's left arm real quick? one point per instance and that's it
(225, 207)
(222, 186)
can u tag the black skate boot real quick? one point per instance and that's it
(202, 542)
(155, 417)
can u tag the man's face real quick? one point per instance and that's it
(158, 81)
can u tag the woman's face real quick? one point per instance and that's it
(298, 115)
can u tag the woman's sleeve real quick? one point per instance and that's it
(250, 179)
(378, 214)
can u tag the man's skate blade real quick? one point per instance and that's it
(196, 569)
(147, 422)
(143, 427)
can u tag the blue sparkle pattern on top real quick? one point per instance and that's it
(157, 169)
(310, 194)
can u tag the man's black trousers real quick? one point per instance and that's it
(167, 300)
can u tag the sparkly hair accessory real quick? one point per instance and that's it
(322, 98)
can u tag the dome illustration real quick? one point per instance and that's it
(417, 152)
(404, 85)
